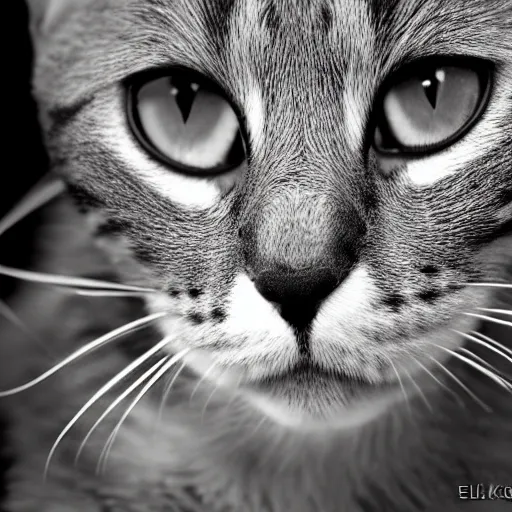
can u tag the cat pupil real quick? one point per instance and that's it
(431, 86)
(184, 93)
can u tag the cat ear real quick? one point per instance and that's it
(44, 13)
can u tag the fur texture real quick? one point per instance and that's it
(401, 239)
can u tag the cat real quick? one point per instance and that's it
(278, 277)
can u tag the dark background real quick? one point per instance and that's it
(23, 158)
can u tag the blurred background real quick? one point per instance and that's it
(23, 156)
(24, 160)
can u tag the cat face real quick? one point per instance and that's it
(310, 185)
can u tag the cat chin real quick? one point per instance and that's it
(304, 398)
(321, 405)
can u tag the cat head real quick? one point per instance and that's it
(313, 187)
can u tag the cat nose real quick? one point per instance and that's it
(297, 293)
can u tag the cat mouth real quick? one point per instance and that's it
(307, 395)
(314, 390)
(306, 373)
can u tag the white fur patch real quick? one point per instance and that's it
(339, 415)
(250, 312)
(353, 25)
(187, 191)
(253, 338)
(505, 213)
(354, 109)
(339, 340)
(339, 322)
(255, 117)
(485, 135)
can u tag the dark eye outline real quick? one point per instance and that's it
(133, 85)
(484, 70)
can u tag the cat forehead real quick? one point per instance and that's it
(278, 13)
(280, 46)
(292, 19)
(345, 21)
(221, 33)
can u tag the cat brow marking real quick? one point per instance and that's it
(354, 115)
(255, 117)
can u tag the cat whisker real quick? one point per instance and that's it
(102, 391)
(419, 390)
(98, 342)
(439, 382)
(497, 311)
(169, 385)
(12, 317)
(482, 361)
(210, 397)
(406, 397)
(478, 358)
(233, 394)
(489, 285)
(490, 319)
(478, 367)
(201, 380)
(492, 342)
(462, 385)
(485, 344)
(500, 377)
(145, 376)
(170, 362)
(42, 193)
(167, 391)
(80, 283)
(106, 293)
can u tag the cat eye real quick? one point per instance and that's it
(186, 122)
(430, 105)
